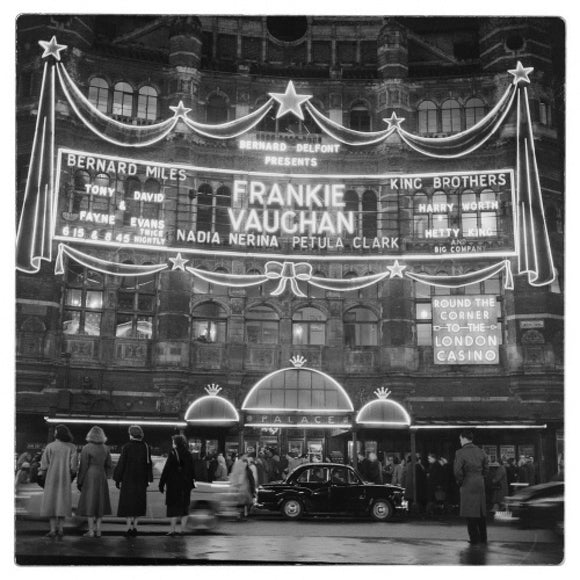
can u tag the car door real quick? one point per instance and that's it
(346, 491)
(315, 481)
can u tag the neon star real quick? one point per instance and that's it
(52, 48)
(181, 110)
(178, 262)
(521, 73)
(394, 122)
(396, 270)
(290, 102)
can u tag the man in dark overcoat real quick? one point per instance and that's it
(470, 468)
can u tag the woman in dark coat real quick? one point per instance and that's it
(134, 472)
(95, 465)
(177, 476)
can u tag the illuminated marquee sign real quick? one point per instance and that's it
(466, 330)
(297, 420)
(136, 203)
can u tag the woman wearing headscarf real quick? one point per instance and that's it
(132, 475)
(95, 465)
(177, 477)
(221, 472)
(58, 467)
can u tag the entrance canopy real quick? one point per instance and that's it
(383, 413)
(211, 410)
(297, 389)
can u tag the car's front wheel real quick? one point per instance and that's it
(292, 508)
(382, 510)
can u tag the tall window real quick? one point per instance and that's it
(99, 94)
(147, 104)
(204, 207)
(135, 307)
(209, 323)
(369, 214)
(222, 220)
(474, 111)
(217, 109)
(123, 99)
(427, 117)
(450, 116)
(132, 207)
(309, 327)
(479, 214)
(360, 118)
(360, 327)
(83, 301)
(262, 326)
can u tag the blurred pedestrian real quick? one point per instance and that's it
(58, 467)
(94, 468)
(212, 464)
(363, 466)
(530, 470)
(132, 475)
(435, 485)
(199, 467)
(389, 467)
(177, 477)
(511, 473)
(522, 471)
(221, 472)
(243, 486)
(499, 484)
(470, 468)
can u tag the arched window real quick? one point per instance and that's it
(83, 301)
(262, 325)
(79, 198)
(222, 218)
(420, 215)
(474, 111)
(204, 207)
(99, 94)
(439, 218)
(135, 306)
(450, 116)
(360, 118)
(217, 109)
(82, 178)
(209, 323)
(361, 327)
(132, 206)
(479, 214)
(151, 209)
(123, 99)
(427, 117)
(369, 214)
(309, 327)
(147, 104)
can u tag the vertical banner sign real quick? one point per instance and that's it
(465, 330)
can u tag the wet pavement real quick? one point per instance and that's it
(274, 541)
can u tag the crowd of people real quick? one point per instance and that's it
(431, 487)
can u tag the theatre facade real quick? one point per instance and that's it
(318, 235)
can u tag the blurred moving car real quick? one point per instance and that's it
(539, 506)
(330, 488)
(209, 501)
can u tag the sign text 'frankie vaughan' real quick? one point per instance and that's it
(105, 200)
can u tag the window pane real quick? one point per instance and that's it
(422, 290)
(124, 325)
(71, 321)
(423, 311)
(93, 323)
(299, 333)
(94, 300)
(144, 303)
(317, 333)
(492, 286)
(73, 298)
(125, 300)
(423, 334)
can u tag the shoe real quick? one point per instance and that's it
(170, 534)
(134, 532)
(89, 534)
(50, 534)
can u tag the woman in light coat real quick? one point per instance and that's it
(94, 469)
(58, 467)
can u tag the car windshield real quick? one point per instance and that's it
(313, 475)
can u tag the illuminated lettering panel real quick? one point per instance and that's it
(145, 204)
(466, 330)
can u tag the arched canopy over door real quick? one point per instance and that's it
(383, 412)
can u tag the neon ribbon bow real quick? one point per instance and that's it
(288, 272)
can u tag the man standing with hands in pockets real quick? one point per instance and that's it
(470, 467)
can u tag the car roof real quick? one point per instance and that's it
(322, 464)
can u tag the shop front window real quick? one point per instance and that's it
(309, 327)
(83, 301)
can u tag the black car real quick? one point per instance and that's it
(539, 506)
(330, 488)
